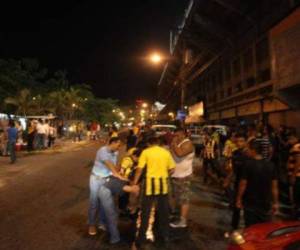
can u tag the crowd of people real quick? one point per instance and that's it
(255, 166)
(41, 134)
(153, 180)
(38, 135)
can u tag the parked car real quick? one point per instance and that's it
(269, 236)
(162, 129)
(197, 137)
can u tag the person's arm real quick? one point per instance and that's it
(114, 170)
(171, 164)
(270, 151)
(184, 150)
(275, 195)
(241, 191)
(137, 176)
(139, 170)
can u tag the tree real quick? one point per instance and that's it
(22, 102)
(101, 110)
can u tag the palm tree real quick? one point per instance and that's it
(23, 102)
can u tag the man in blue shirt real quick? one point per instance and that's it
(104, 167)
(12, 134)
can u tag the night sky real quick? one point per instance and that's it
(100, 44)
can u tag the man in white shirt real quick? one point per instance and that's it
(46, 128)
(41, 134)
(183, 152)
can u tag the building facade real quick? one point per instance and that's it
(243, 62)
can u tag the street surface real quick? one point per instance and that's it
(44, 202)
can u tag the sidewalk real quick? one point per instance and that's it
(60, 146)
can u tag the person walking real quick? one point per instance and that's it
(12, 135)
(41, 134)
(30, 135)
(52, 135)
(158, 164)
(258, 187)
(104, 167)
(209, 158)
(239, 158)
(131, 140)
(183, 153)
(46, 135)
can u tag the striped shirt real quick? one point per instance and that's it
(265, 147)
(157, 161)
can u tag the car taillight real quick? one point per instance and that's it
(237, 237)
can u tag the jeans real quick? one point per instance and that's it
(11, 146)
(111, 216)
(95, 205)
(101, 201)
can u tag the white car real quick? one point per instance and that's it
(197, 136)
(162, 129)
(220, 128)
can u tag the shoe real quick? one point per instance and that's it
(102, 227)
(179, 224)
(92, 230)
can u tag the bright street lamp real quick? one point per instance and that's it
(155, 58)
(145, 105)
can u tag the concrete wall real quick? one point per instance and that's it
(290, 118)
(285, 52)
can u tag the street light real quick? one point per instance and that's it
(171, 115)
(156, 58)
(145, 105)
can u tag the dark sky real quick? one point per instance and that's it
(100, 44)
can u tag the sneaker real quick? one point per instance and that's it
(102, 227)
(92, 230)
(178, 224)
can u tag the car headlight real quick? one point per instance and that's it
(237, 237)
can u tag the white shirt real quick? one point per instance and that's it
(184, 165)
(46, 128)
(40, 128)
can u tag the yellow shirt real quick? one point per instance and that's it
(158, 161)
(135, 130)
(114, 134)
(229, 148)
(127, 165)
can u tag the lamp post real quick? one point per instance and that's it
(156, 58)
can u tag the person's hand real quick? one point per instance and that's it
(239, 204)
(136, 189)
(275, 208)
(119, 176)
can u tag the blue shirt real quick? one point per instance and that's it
(12, 134)
(104, 154)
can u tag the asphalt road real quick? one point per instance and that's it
(44, 202)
